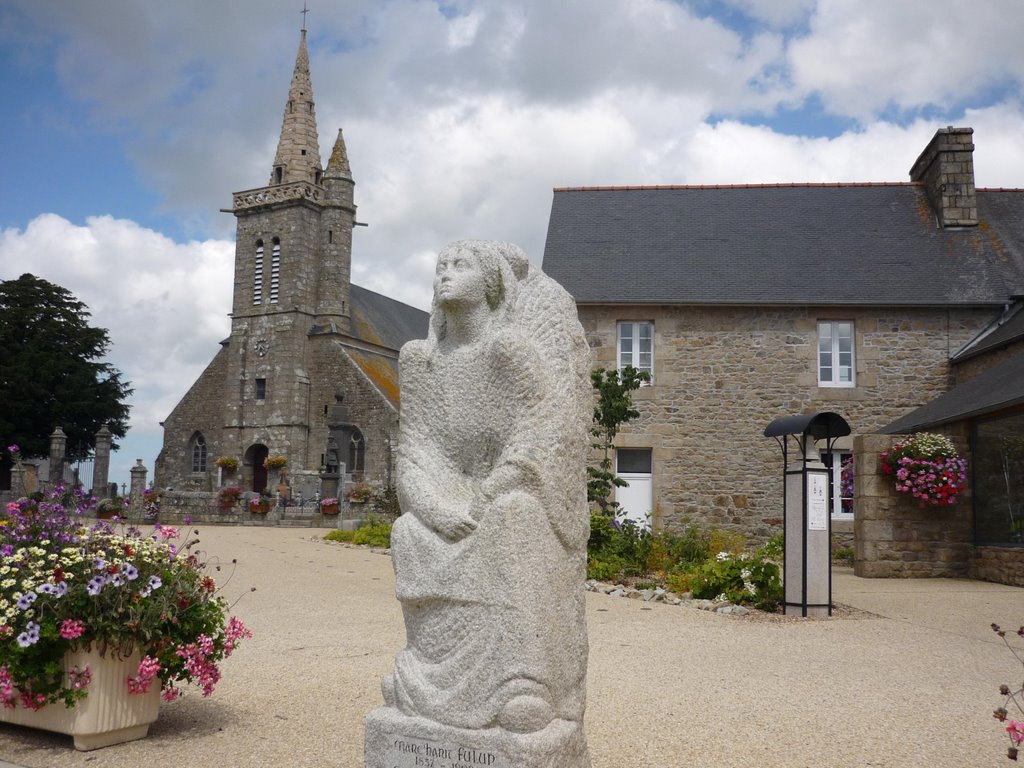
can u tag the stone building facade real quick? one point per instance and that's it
(751, 302)
(309, 372)
(722, 374)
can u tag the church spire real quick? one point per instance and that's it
(298, 149)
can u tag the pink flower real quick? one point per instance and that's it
(71, 629)
(1016, 731)
(149, 668)
(170, 694)
(80, 678)
(168, 532)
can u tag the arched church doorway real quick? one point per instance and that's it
(255, 458)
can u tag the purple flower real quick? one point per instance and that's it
(95, 585)
(155, 582)
(30, 636)
(26, 600)
(13, 448)
(131, 572)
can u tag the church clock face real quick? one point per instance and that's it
(261, 347)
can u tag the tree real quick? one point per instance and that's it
(51, 371)
(614, 408)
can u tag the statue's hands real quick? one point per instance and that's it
(455, 526)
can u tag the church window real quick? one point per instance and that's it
(257, 277)
(330, 235)
(261, 389)
(278, 174)
(198, 453)
(275, 270)
(316, 178)
(357, 452)
(302, 151)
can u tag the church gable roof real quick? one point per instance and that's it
(843, 244)
(376, 319)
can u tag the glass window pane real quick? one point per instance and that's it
(635, 460)
(999, 482)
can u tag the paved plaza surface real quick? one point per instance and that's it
(908, 677)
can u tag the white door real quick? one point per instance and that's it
(635, 501)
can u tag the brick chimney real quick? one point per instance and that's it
(946, 169)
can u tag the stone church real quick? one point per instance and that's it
(310, 370)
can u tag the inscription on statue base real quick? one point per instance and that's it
(419, 753)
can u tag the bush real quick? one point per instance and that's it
(739, 579)
(374, 532)
(339, 535)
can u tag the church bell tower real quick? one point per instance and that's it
(293, 249)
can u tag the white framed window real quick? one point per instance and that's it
(636, 345)
(835, 353)
(840, 465)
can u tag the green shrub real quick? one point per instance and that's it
(375, 531)
(772, 549)
(680, 582)
(739, 579)
(844, 555)
(339, 535)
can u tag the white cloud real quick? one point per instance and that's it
(164, 304)
(863, 58)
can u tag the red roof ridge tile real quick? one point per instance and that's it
(636, 187)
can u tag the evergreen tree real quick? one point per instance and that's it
(614, 408)
(51, 371)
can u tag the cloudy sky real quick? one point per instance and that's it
(129, 123)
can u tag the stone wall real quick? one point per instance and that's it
(201, 409)
(722, 374)
(1004, 565)
(893, 536)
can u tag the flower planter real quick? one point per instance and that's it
(328, 509)
(259, 509)
(108, 715)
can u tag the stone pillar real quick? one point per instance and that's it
(138, 473)
(18, 480)
(101, 465)
(893, 537)
(58, 448)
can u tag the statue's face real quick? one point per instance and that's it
(459, 279)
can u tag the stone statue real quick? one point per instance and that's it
(490, 551)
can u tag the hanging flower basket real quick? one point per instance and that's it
(927, 467)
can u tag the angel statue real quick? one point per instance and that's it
(490, 551)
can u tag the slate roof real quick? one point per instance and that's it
(1010, 328)
(376, 319)
(842, 244)
(992, 390)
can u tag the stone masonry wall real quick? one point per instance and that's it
(893, 536)
(723, 374)
(201, 409)
(334, 371)
(1004, 565)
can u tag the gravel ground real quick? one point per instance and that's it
(907, 674)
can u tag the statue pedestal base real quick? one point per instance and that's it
(394, 740)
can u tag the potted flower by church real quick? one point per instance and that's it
(329, 506)
(99, 625)
(259, 505)
(359, 493)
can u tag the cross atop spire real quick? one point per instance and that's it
(304, 11)
(298, 149)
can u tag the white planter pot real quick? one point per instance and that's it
(108, 715)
